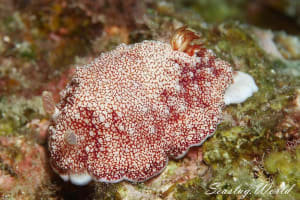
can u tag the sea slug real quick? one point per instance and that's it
(124, 115)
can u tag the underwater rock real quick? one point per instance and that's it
(60, 35)
(24, 167)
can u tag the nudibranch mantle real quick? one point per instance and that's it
(122, 116)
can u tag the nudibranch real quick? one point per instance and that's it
(124, 115)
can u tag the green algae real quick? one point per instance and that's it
(285, 167)
(230, 155)
(288, 45)
(11, 23)
(193, 189)
(277, 15)
(106, 191)
(41, 43)
(17, 112)
(216, 10)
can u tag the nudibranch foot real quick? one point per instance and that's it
(77, 179)
(241, 89)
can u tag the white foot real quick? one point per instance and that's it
(77, 179)
(242, 88)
